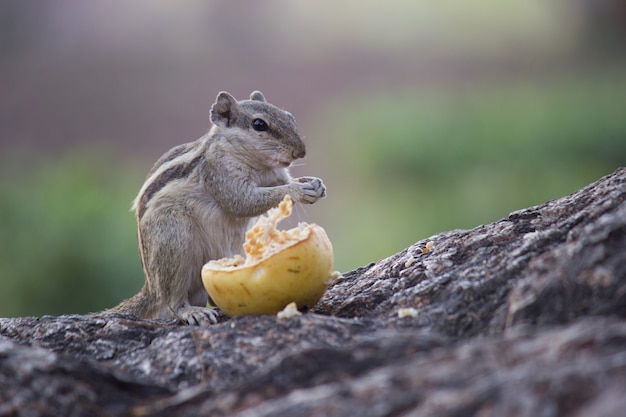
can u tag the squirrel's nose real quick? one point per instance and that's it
(299, 153)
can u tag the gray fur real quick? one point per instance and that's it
(200, 198)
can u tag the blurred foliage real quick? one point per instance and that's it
(67, 237)
(495, 107)
(412, 164)
(415, 163)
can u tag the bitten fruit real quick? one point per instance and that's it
(280, 267)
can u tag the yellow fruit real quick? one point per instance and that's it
(280, 267)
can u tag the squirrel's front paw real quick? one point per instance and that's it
(310, 189)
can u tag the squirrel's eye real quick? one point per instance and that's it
(259, 125)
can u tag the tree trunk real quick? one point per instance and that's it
(521, 317)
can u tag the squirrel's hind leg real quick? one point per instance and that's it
(195, 315)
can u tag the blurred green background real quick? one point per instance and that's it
(421, 117)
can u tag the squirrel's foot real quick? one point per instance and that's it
(311, 189)
(197, 316)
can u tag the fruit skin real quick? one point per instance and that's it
(299, 272)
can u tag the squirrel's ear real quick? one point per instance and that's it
(223, 110)
(257, 96)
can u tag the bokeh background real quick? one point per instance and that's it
(420, 117)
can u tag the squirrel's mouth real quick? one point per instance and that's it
(283, 163)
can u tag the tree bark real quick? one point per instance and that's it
(521, 317)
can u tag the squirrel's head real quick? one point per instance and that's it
(258, 127)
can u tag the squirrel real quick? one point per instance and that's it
(199, 199)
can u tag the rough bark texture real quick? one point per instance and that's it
(522, 317)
